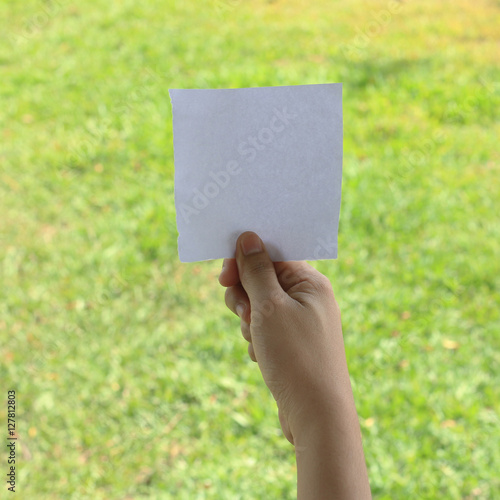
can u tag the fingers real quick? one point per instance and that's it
(251, 352)
(256, 269)
(254, 276)
(245, 331)
(293, 272)
(235, 296)
(289, 273)
(229, 274)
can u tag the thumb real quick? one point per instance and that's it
(256, 269)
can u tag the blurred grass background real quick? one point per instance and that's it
(132, 378)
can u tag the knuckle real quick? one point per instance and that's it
(278, 298)
(269, 305)
(322, 284)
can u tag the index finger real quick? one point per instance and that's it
(229, 275)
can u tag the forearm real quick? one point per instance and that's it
(330, 458)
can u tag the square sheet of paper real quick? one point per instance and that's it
(264, 159)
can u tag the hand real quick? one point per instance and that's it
(291, 320)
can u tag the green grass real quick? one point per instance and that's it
(132, 378)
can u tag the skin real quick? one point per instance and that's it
(291, 320)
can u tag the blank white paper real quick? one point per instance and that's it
(264, 159)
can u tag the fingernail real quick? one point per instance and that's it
(240, 310)
(251, 244)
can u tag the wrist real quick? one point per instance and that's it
(329, 455)
(324, 407)
(321, 418)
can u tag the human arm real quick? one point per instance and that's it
(292, 323)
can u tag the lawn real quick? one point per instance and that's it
(132, 379)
